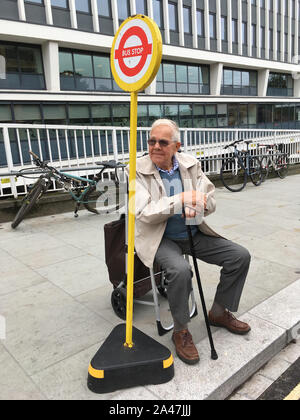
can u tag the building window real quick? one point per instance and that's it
(234, 30)
(157, 12)
(123, 9)
(24, 67)
(212, 25)
(173, 17)
(141, 7)
(187, 25)
(200, 23)
(59, 3)
(239, 82)
(253, 28)
(104, 8)
(224, 28)
(244, 33)
(280, 85)
(83, 6)
(86, 72)
(182, 78)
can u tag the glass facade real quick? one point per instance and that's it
(182, 78)
(197, 115)
(23, 67)
(85, 72)
(239, 82)
(280, 85)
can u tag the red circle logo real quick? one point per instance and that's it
(137, 51)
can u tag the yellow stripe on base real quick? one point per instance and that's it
(168, 362)
(294, 395)
(98, 374)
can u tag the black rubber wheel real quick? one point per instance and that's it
(118, 302)
(28, 202)
(265, 168)
(282, 166)
(103, 200)
(233, 175)
(256, 174)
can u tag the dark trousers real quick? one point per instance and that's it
(233, 258)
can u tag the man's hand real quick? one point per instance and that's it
(194, 199)
(193, 202)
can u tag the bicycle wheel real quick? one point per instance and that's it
(282, 166)
(255, 172)
(233, 175)
(104, 198)
(28, 201)
(265, 167)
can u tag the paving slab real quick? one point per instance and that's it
(55, 297)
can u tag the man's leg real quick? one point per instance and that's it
(178, 278)
(234, 260)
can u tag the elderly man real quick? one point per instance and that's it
(166, 183)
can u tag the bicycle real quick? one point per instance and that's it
(236, 169)
(274, 159)
(89, 192)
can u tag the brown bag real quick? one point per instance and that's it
(115, 252)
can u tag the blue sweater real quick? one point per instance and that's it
(176, 228)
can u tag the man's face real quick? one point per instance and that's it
(161, 154)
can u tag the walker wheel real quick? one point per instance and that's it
(118, 302)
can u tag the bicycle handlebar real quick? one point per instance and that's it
(233, 143)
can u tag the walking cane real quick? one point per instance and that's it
(214, 354)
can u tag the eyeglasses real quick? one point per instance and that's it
(161, 142)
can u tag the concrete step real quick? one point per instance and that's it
(274, 323)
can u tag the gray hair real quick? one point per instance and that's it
(172, 124)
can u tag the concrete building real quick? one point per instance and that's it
(226, 63)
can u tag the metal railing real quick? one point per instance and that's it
(83, 146)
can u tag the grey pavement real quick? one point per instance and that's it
(55, 301)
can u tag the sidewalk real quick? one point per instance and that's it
(55, 299)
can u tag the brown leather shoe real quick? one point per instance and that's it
(185, 348)
(228, 321)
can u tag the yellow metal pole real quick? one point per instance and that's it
(131, 218)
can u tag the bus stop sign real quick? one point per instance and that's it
(136, 53)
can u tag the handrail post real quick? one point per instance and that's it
(9, 160)
(114, 143)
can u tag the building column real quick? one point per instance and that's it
(240, 40)
(73, 14)
(218, 26)
(180, 23)
(295, 52)
(282, 37)
(150, 8)
(262, 82)
(95, 16)
(297, 87)
(132, 7)
(21, 9)
(258, 39)
(166, 21)
(194, 24)
(249, 28)
(206, 25)
(267, 33)
(115, 16)
(48, 11)
(216, 73)
(51, 65)
(289, 46)
(275, 46)
(229, 27)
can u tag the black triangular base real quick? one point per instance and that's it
(116, 366)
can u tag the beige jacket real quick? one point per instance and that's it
(154, 207)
